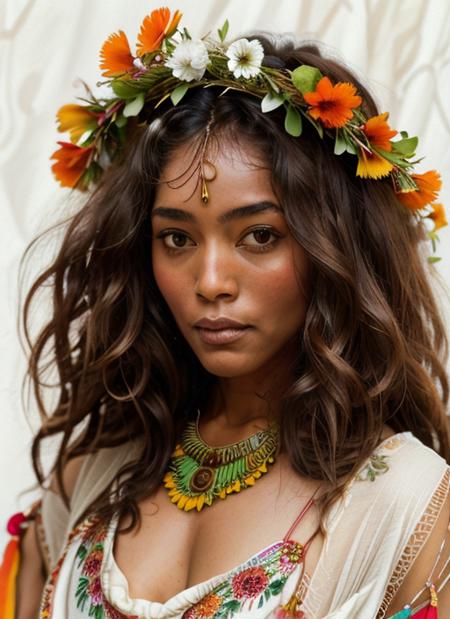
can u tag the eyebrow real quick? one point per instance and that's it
(235, 213)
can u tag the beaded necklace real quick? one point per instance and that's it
(199, 473)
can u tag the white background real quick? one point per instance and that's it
(400, 49)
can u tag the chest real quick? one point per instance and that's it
(182, 549)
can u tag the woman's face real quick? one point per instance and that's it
(212, 261)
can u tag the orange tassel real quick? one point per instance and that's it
(8, 575)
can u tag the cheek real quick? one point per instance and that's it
(281, 293)
(170, 284)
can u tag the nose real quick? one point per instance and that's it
(216, 273)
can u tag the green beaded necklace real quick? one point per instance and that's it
(199, 473)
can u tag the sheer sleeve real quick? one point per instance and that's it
(376, 530)
(416, 542)
(436, 581)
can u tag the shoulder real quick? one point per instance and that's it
(84, 479)
(95, 471)
(402, 483)
(70, 475)
(402, 469)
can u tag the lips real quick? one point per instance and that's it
(219, 323)
(221, 330)
(221, 336)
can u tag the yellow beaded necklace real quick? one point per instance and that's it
(199, 473)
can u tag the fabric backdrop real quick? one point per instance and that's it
(401, 50)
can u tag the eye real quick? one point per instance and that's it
(177, 236)
(263, 234)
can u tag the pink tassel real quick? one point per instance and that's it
(429, 612)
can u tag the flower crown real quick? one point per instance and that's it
(168, 62)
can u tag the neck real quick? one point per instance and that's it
(239, 406)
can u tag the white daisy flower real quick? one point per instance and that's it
(189, 60)
(245, 57)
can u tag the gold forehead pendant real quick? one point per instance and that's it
(208, 172)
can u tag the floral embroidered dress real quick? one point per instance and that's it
(89, 582)
(374, 534)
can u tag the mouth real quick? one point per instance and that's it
(221, 336)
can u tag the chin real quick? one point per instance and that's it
(230, 364)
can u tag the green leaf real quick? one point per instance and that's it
(179, 93)
(317, 126)
(121, 120)
(133, 108)
(407, 146)
(86, 138)
(276, 586)
(223, 31)
(305, 78)
(404, 134)
(340, 144)
(432, 259)
(271, 82)
(261, 601)
(186, 34)
(390, 156)
(293, 122)
(351, 148)
(271, 101)
(166, 96)
(124, 90)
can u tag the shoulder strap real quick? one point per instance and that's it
(309, 504)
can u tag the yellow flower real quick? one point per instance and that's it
(372, 165)
(76, 119)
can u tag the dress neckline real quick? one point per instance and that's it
(204, 587)
(201, 588)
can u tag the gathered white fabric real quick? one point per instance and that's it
(375, 532)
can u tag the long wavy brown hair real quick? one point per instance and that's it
(373, 347)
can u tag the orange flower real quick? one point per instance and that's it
(71, 162)
(76, 119)
(206, 608)
(155, 28)
(115, 55)
(438, 215)
(429, 185)
(378, 131)
(372, 165)
(332, 104)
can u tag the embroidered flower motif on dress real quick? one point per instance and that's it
(84, 530)
(376, 466)
(89, 594)
(252, 583)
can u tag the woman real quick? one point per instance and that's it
(294, 464)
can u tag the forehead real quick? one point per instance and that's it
(242, 175)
